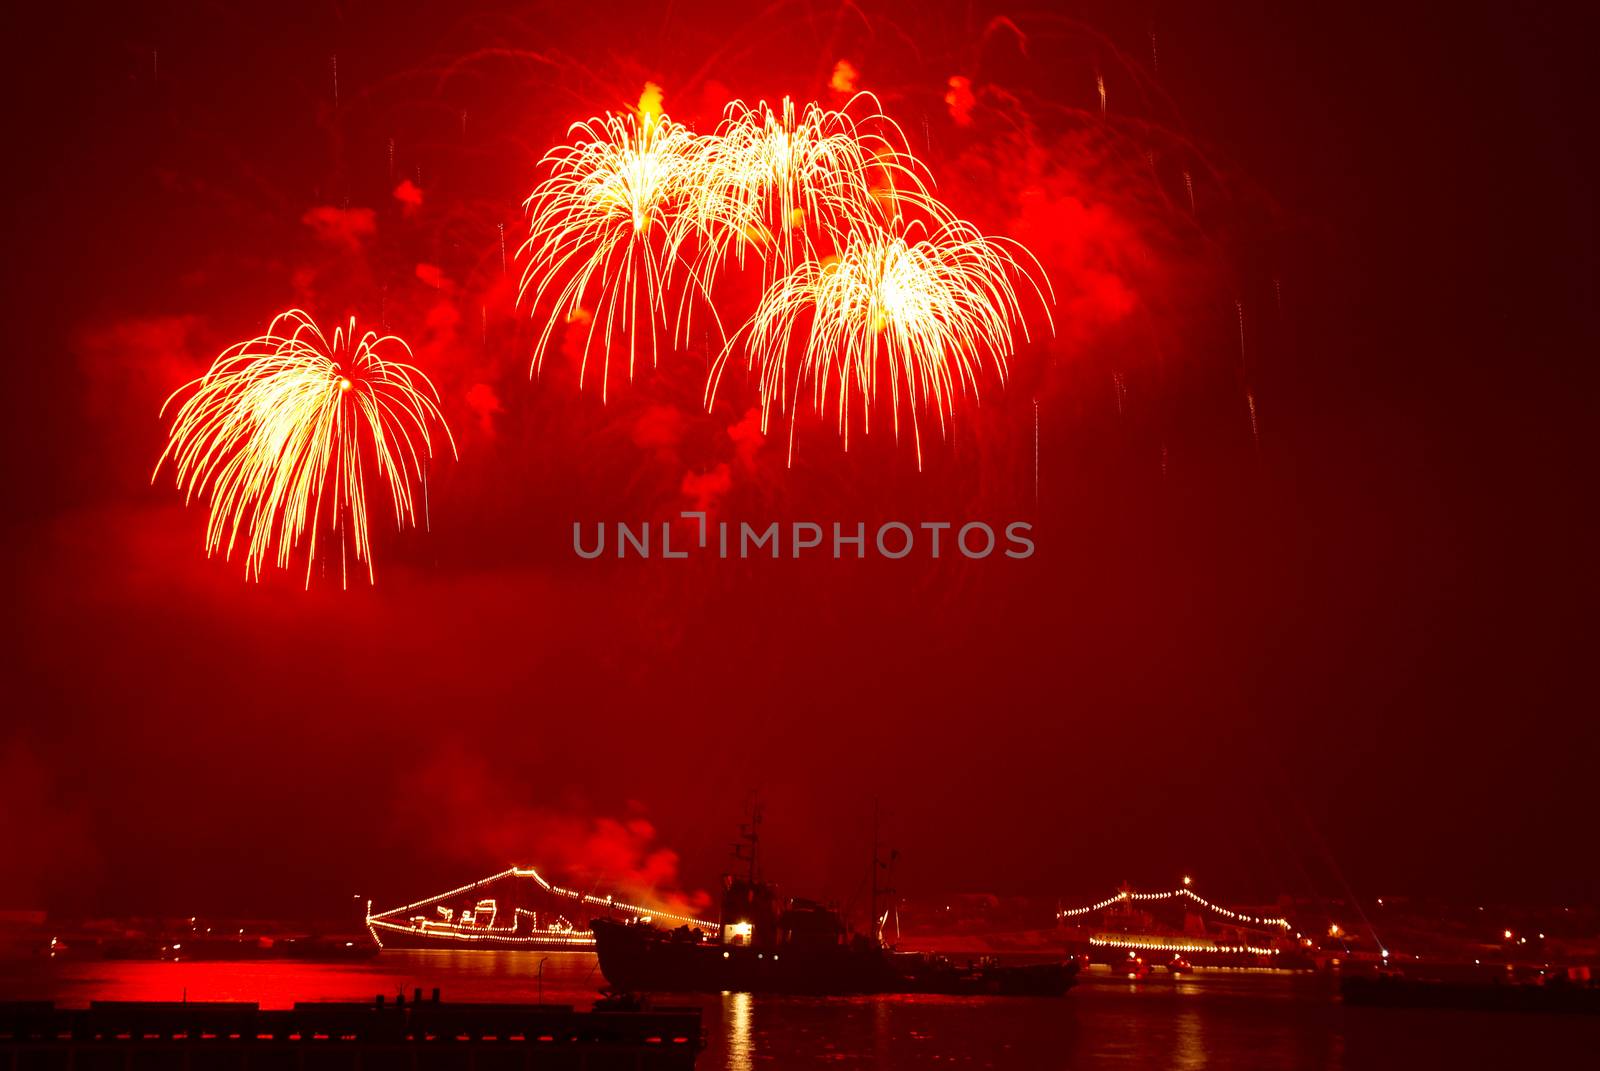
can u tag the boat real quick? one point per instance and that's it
(516, 910)
(1180, 929)
(798, 946)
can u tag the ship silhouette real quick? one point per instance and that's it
(767, 945)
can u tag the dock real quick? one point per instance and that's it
(339, 1036)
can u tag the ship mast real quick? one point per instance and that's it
(750, 839)
(875, 929)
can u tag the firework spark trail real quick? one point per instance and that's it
(783, 180)
(603, 220)
(1036, 452)
(898, 298)
(278, 433)
(916, 318)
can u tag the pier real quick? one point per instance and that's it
(420, 1034)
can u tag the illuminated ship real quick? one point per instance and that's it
(1178, 928)
(514, 910)
(800, 947)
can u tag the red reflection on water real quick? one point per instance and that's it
(567, 978)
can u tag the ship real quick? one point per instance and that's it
(768, 945)
(516, 910)
(1178, 929)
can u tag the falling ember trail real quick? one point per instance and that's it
(279, 433)
(873, 291)
(602, 220)
(1036, 452)
(918, 321)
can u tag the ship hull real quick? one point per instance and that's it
(396, 939)
(641, 959)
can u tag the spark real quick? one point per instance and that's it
(278, 436)
(1238, 305)
(603, 220)
(781, 180)
(917, 318)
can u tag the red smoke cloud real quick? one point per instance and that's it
(467, 818)
(659, 428)
(960, 100)
(45, 834)
(486, 403)
(347, 227)
(707, 488)
(747, 436)
(409, 194)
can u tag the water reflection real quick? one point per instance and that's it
(1220, 1019)
(739, 1040)
(1189, 1044)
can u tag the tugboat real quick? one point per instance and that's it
(796, 947)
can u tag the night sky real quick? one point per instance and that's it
(1345, 648)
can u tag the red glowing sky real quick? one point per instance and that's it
(1350, 640)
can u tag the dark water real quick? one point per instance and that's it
(1223, 1019)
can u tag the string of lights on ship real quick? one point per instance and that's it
(1123, 896)
(506, 934)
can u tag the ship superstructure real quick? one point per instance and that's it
(516, 909)
(1182, 926)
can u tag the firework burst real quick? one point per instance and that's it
(602, 224)
(781, 180)
(278, 436)
(916, 318)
